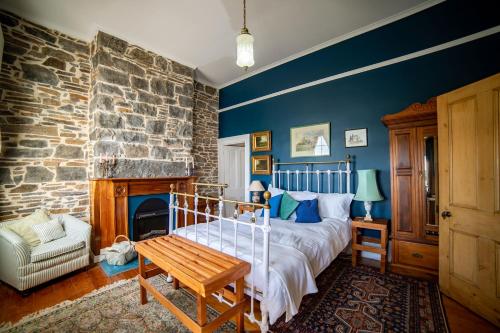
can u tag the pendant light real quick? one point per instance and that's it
(244, 43)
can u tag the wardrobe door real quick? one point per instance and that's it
(404, 212)
(427, 189)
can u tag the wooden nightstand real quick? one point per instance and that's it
(376, 224)
(245, 208)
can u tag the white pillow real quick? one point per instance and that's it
(274, 190)
(297, 195)
(335, 205)
(49, 231)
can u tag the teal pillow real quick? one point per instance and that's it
(288, 206)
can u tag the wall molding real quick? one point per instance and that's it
(385, 63)
(336, 40)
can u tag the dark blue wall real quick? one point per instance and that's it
(361, 100)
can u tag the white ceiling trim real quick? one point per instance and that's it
(413, 55)
(339, 39)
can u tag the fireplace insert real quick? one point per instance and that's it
(150, 219)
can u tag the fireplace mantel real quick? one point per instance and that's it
(109, 203)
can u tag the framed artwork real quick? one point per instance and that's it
(261, 141)
(311, 140)
(261, 165)
(356, 138)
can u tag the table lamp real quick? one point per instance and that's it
(256, 187)
(367, 190)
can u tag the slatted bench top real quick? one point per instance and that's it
(201, 268)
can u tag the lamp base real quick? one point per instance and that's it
(368, 208)
(256, 197)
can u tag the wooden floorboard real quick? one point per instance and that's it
(77, 284)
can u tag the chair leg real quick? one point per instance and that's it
(26, 293)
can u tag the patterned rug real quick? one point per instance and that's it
(361, 299)
(116, 308)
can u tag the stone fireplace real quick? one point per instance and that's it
(141, 110)
(115, 203)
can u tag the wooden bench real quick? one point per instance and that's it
(200, 268)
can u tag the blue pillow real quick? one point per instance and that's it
(307, 212)
(274, 202)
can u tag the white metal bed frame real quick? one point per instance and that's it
(309, 173)
(343, 167)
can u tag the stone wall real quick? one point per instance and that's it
(205, 132)
(141, 109)
(44, 84)
(63, 102)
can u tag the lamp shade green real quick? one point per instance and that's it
(367, 186)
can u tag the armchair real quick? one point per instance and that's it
(24, 267)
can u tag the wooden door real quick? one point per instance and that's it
(469, 238)
(233, 174)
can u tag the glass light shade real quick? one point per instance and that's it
(244, 50)
(256, 186)
(367, 186)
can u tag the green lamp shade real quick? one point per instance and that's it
(367, 186)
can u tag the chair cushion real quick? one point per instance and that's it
(55, 248)
(23, 227)
(49, 231)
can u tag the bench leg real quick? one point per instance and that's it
(142, 272)
(201, 310)
(240, 296)
(175, 285)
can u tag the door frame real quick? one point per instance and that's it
(233, 140)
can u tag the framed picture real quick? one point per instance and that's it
(311, 140)
(261, 141)
(356, 138)
(261, 165)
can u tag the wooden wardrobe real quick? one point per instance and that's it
(414, 172)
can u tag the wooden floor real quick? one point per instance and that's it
(77, 284)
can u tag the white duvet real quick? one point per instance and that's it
(298, 253)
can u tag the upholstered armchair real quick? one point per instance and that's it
(23, 266)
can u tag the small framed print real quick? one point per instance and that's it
(261, 141)
(261, 165)
(356, 138)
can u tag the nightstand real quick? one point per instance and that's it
(245, 208)
(376, 224)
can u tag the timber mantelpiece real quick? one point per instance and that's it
(109, 203)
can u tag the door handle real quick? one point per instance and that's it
(445, 214)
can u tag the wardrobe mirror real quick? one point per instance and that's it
(430, 180)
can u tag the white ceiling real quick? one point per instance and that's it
(201, 33)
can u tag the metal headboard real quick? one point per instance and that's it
(285, 178)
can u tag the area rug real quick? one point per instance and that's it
(116, 308)
(362, 299)
(111, 270)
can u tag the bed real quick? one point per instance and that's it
(286, 257)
